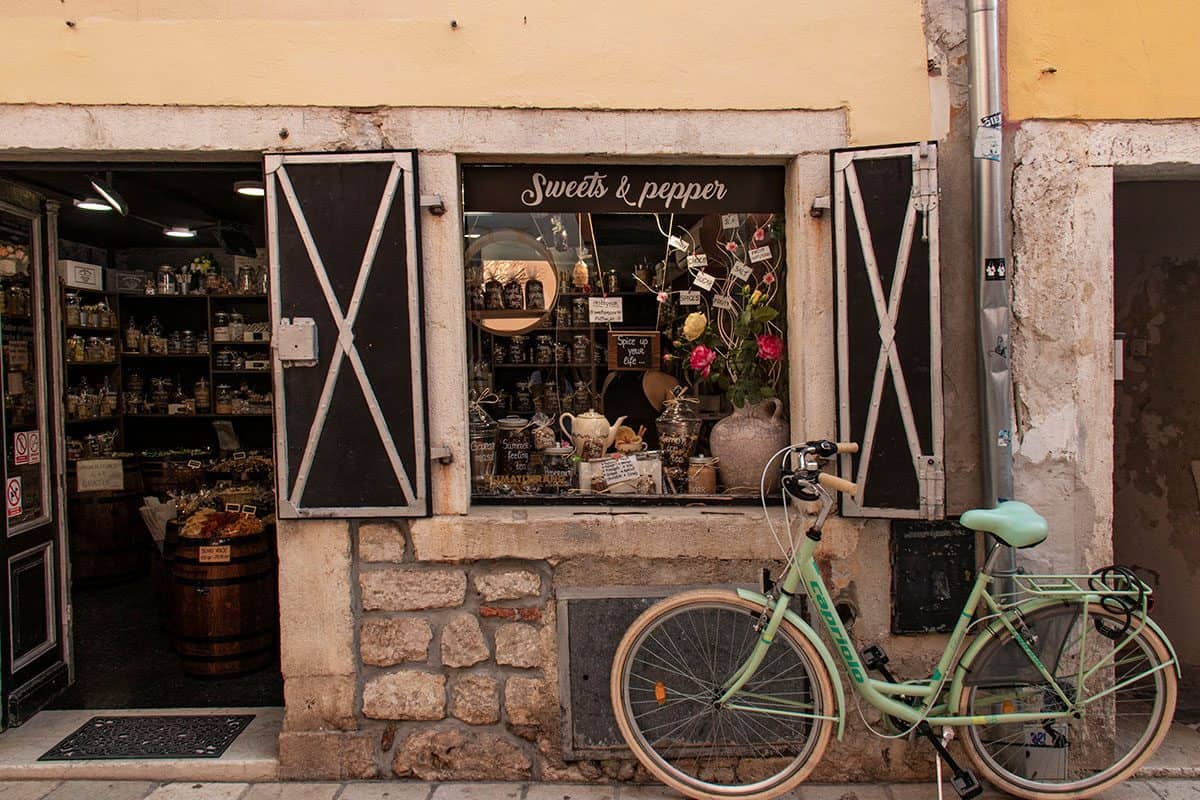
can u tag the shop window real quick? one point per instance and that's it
(626, 327)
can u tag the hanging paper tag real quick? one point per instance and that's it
(740, 271)
(238, 456)
(704, 280)
(730, 221)
(722, 301)
(689, 298)
(760, 254)
(678, 244)
(194, 464)
(697, 260)
(606, 309)
(619, 470)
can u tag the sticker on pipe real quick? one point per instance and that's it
(988, 137)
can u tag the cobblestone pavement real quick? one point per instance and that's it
(397, 790)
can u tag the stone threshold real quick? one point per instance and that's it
(253, 756)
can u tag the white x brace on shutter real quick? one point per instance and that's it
(885, 204)
(345, 298)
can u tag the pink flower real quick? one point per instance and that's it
(731, 246)
(770, 347)
(662, 297)
(701, 359)
(769, 278)
(759, 234)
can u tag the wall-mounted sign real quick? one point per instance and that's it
(12, 497)
(99, 475)
(606, 309)
(695, 189)
(634, 351)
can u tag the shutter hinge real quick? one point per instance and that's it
(819, 206)
(924, 186)
(442, 455)
(434, 203)
(931, 478)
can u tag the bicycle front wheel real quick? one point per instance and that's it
(1114, 669)
(671, 668)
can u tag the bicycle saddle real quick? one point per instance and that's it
(1012, 522)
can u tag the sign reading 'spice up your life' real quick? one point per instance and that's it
(612, 188)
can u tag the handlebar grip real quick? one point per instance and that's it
(847, 447)
(837, 484)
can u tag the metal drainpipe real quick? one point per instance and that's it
(991, 256)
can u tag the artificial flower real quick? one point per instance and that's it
(731, 246)
(754, 298)
(662, 297)
(769, 278)
(701, 359)
(759, 234)
(694, 326)
(770, 347)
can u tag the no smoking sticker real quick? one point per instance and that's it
(12, 497)
(21, 448)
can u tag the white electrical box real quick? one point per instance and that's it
(296, 342)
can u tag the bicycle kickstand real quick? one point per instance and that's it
(964, 781)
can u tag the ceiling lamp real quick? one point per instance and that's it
(93, 204)
(250, 188)
(105, 189)
(180, 233)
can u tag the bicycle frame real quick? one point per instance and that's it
(923, 695)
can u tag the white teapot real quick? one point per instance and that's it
(592, 425)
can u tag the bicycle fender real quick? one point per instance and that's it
(827, 657)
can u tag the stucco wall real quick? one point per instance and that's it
(1102, 59)
(865, 56)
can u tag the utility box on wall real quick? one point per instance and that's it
(933, 569)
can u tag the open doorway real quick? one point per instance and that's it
(1156, 464)
(166, 396)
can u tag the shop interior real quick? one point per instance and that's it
(609, 350)
(167, 410)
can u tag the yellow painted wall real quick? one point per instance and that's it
(1114, 59)
(865, 55)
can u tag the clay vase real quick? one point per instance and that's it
(744, 441)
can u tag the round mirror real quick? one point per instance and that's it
(512, 282)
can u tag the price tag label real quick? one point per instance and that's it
(689, 298)
(619, 470)
(238, 456)
(194, 464)
(249, 510)
(235, 508)
(697, 260)
(214, 554)
(760, 254)
(676, 243)
(704, 280)
(741, 271)
(730, 221)
(606, 309)
(723, 301)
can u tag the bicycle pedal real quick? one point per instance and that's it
(873, 657)
(966, 784)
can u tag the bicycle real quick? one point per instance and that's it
(1061, 685)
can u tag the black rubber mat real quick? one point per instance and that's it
(168, 736)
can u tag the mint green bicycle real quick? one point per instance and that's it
(1060, 685)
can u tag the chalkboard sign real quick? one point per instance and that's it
(634, 351)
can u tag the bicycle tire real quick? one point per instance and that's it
(1000, 749)
(669, 679)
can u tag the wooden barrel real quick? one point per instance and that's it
(108, 540)
(223, 606)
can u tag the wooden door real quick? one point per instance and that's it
(33, 666)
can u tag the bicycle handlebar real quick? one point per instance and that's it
(837, 484)
(847, 447)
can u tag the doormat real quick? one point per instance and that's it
(198, 736)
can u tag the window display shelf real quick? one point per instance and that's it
(240, 344)
(170, 356)
(90, 328)
(241, 372)
(92, 363)
(91, 420)
(508, 313)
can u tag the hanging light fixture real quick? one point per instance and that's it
(104, 188)
(92, 204)
(179, 232)
(250, 188)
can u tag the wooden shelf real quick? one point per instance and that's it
(91, 329)
(214, 345)
(507, 313)
(164, 297)
(166, 356)
(241, 372)
(197, 416)
(238, 296)
(90, 420)
(92, 363)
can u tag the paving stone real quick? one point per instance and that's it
(477, 791)
(1167, 790)
(291, 791)
(817, 791)
(99, 790)
(463, 644)
(199, 791)
(568, 791)
(647, 793)
(387, 790)
(26, 790)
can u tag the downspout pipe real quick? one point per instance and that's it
(991, 260)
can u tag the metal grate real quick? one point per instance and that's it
(175, 736)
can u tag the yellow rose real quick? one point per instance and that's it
(694, 325)
(754, 298)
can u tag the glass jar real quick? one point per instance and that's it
(187, 342)
(475, 288)
(133, 336)
(134, 383)
(518, 349)
(512, 447)
(237, 326)
(581, 398)
(174, 342)
(514, 295)
(702, 475)
(237, 360)
(499, 351)
(579, 312)
(562, 353)
(482, 434)
(110, 348)
(581, 349)
(202, 343)
(76, 349)
(108, 317)
(493, 295)
(95, 349)
(72, 310)
(558, 470)
(202, 391)
(523, 399)
(223, 359)
(544, 350)
(220, 330)
(223, 402)
(167, 284)
(245, 280)
(612, 283)
(535, 296)
(160, 394)
(642, 277)
(678, 429)
(562, 315)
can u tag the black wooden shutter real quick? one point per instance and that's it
(343, 241)
(885, 229)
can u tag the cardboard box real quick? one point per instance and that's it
(81, 275)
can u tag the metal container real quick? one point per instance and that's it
(493, 295)
(579, 312)
(535, 297)
(543, 350)
(581, 349)
(167, 284)
(518, 349)
(514, 295)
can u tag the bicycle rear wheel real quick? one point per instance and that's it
(668, 673)
(1070, 757)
